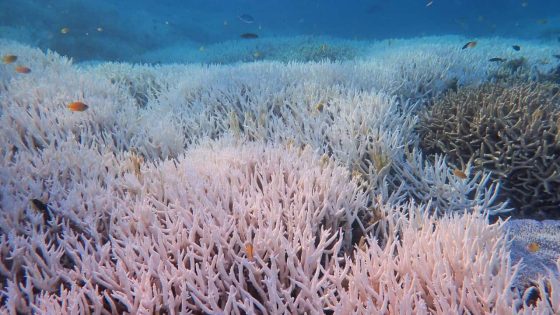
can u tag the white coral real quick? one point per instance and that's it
(146, 214)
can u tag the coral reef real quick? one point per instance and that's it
(175, 237)
(250, 188)
(510, 130)
(176, 241)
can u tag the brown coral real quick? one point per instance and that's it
(511, 130)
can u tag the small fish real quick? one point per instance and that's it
(41, 207)
(64, 30)
(226, 23)
(100, 29)
(137, 161)
(524, 4)
(556, 56)
(320, 106)
(257, 54)
(246, 18)
(457, 172)
(22, 69)
(542, 21)
(7, 59)
(496, 59)
(77, 106)
(533, 247)
(429, 3)
(469, 45)
(249, 35)
(201, 48)
(516, 47)
(249, 250)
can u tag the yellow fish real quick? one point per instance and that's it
(9, 59)
(533, 247)
(457, 172)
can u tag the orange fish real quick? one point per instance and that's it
(533, 247)
(457, 172)
(469, 45)
(77, 106)
(22, 69)
(249, 250)
(9, 59)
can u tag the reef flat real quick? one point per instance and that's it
(359, 179)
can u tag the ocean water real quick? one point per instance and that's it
(280, 157)
(149, 31)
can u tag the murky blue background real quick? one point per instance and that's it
(131, 28)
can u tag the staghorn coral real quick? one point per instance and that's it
(177, 235)
(367, 131)
(134, 209)
(360, 127)
(176, 238)
(460, 265)
(513, 131)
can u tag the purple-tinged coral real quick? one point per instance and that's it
(176, 237)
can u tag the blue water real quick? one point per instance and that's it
(132, 29)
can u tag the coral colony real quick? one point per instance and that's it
(376, 185)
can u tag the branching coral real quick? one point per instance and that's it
(241, 228)
(238, 189)
(512, 131)
(178, 240)
(460, 265)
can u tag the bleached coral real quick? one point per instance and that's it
(367, 131)
(457, 264)
(235, 188)
(176, 237)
